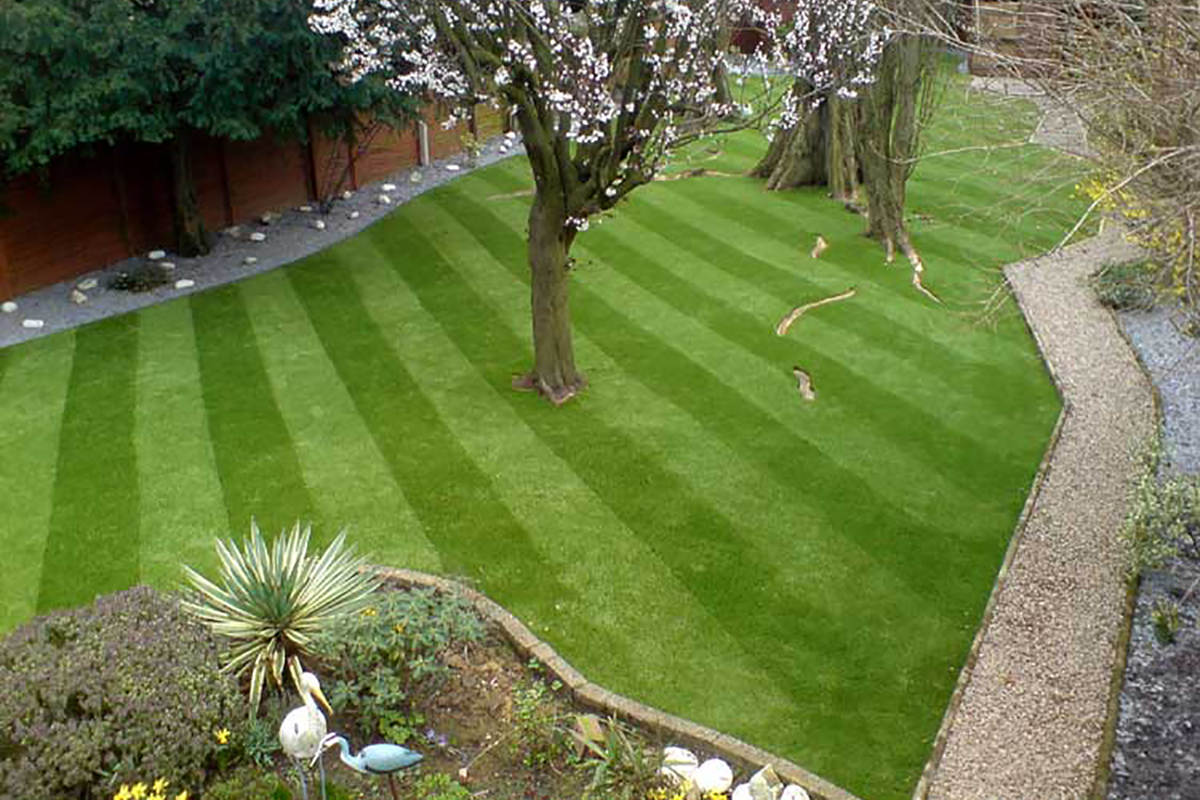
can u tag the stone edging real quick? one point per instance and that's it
(597, 698)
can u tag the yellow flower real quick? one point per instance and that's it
(399, 627)
(222, 736)
(161, 785)
(369, 611)
(122, 793)
(181, 796)
(138, 792)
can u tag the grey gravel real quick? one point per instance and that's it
(289, 236)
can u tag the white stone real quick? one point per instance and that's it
(184, 283)
(249, 261)
(268, 218)
(679, 764)
(346, 195)
(765, 784)
(319, 224)
(167, 265)
(8, 307)
(258, 236)
(510, 135)
(305, 209)
(416, 177)
(741, 792)
(354, 215)
(794, 792)
(388, 187)
(383, 200)
(33, 323)
(713, 775)
(78, 297)
(88, 285)
(155, 255)
(453, 167)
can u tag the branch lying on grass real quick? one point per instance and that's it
(785, 323)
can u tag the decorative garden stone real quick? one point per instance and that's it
(258, 236)
(388, 187)
(156, 255)
(33, 323)
(9, 307)
(346, 195)
(383, 200)
(249, 261)
(416, 177)
(78, 297)
(305, 209)
(794, 792)
(453, 167)
(319, 224)
(765, 784)
(741, 792)
(88, 285)
(679, 764)
(167, 265)
(184, 283)
(354, 215)
(713, 775)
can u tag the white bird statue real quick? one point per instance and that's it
(304, 727)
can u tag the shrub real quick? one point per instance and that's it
(376, 658)
(272, 602)
(91, 697)
(439, 786)
(539, 732)
(1125, 286)
(140, 280)
(1164, 516)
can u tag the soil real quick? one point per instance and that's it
(469, 733)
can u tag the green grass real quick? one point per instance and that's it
(807, 576)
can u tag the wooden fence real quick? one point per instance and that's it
(86, 212)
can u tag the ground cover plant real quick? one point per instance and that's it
(806, 575)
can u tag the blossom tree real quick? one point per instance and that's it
(602, 91)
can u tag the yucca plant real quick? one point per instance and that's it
(273, 601)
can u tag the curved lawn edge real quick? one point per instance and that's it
(597, 698)
(1079, 260)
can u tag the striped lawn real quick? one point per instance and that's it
(807, 576)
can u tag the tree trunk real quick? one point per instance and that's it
(554, 374)
(817, 151)
(887, 138)
(191, 237)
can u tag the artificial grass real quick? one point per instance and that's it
(807, 576)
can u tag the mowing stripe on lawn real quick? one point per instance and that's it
(181, 505)
(801, 517)
(590, 548)
(33, 390)
(474, 532)
(255, 456)
(886, 411)
(349, 478)
(92, 546)
(709, 551)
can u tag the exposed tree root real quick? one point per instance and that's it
(799, 311)
(510, 195)
(804, 384)
(698, 172)
(530, 382)
(914, 258)
(820, 247)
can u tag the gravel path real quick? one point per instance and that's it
(1033, 713)
(1033, 703)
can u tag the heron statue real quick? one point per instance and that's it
(374, 759)
(303, 729)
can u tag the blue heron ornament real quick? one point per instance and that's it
(374, 759)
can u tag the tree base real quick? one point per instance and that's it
(530, 382)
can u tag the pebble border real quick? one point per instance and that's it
(596, 698)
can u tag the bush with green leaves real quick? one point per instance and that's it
(539, 730)
(440, 786)
(1163, 517)
(377, 658)
(1126, 286)
(272, 602)
(624, 767)
(127, 687)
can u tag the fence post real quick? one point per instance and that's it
(423, 142)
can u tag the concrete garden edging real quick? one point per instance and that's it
(596, 698)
